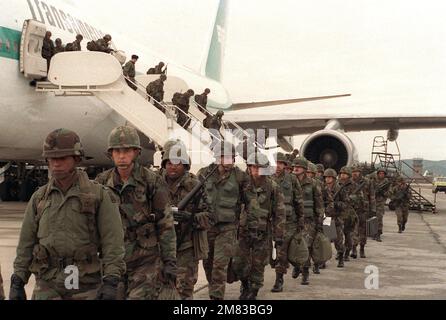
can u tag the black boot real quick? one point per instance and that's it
(400, 228)
(296, 272)
(378, 237)
(403, 227)
(244, 290)
(346, 255)
(316, 269)
(252, 294)
(341, 260)
(305, 276)
(323, 266)
(278, 285)
(354, 254)
(362, 251)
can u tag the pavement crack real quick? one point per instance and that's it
(435, 235)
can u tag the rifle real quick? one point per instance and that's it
(197, 190)
(380, 190)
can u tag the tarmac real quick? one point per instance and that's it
(411, 265)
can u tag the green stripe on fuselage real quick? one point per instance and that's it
(9, 43)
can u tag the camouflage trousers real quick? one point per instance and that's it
(339, 241)
(56, 289)
(2, 293)
(143, 280)
(380, 214)
(222, 239)
(187, 274)
(402, 213)
(309, 233)
(360, 231)
(251, 258)
(282, 253)
(349, 228)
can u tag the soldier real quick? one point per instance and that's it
(351, 198)
(2, 293)
(76, 44)
(294, 213)
(332, 209)
(129, 72)
(227, 190)
(155, 89)
(151, 71)
(202, 99)
(192, 223)
(320, 172)
(102, 45)
(256, 228)
(364, 211)
(182, 102)
(382, 193)
(69, 223)
(146, 215)
(400, 195)
(291, 156)
(59, 47)
(312, 170)
(215, 126)
(159, 68)
(47, 49)
(313, 213)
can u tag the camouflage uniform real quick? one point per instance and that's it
(187, 231)
(155, 89)
(400, 195)
(72, 228)
(225, 195)
(47, 51)
(129, 71)
(294, 209)
(313, 211)
(159, 68)
(264, 216)
(147, 218)
(365, 210)
(328, 194)
(103, 44)
(382, 187)
(2, 293)
(202, 99)
(182, 102)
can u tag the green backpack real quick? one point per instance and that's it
(322, 251)
(297, 250)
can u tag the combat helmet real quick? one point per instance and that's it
(62, 143)
(220, 113)
(282, 158)
(107, 37)
(163, 77)
(258, 159)
(123, 137)
(300, 162)
(382, 169)
(175, 151)
(311, 167)
(346, 170)
(320, 167)
(330, 173)
(357, 167)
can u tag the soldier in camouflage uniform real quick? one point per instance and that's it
(129, 72)
(159, 68)
(329, 190)
(182, 102)
(227, 189)
(103, 44)
(320, 172)
(192, 223)
(382, 187)
(351, 199)
(202, 99)
(2, 293)
(312, 170)
(155, 90)
(400, 195)
(313, 212)
(150, 240)
(263, 222)
(69, 222)
(364, 211)
(294, 215)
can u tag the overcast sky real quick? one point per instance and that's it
(386, 53)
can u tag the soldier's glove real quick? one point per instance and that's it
(278, 242)
(180, 216)
(109, 288)
(169, 271)
(17, 289)
(201, 221)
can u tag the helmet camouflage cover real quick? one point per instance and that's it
(123, 137)
(62, 143)
(346, 170)
(175, 151)
(258, 159)
(300, 162)
(330, 173)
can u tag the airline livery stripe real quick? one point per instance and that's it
(9, 43)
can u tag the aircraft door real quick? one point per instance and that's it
(32, 65)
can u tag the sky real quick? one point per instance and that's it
(388, 54)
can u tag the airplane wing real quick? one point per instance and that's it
(308, 117)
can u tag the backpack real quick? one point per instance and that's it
(91, 45)
(69, 47)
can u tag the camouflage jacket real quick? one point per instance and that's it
(313, 202)
(382, 189)
(400, 195)
(368, 191)
(178, 189)
(129, 69)
(74, 227)
(47, 48)
(328, 191)
(145, 212)
(346, 200)
(156, 89)
(76, 46)
(226, 194)
(201, 99)
(103, 46)
(293, 198)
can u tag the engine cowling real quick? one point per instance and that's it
(330, 147)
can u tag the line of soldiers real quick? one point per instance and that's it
(131, 235)
(49, 49)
